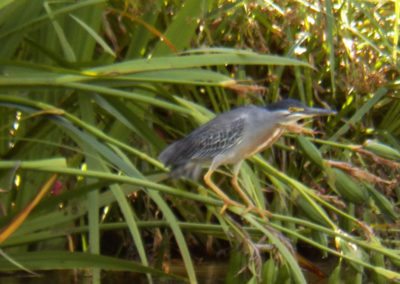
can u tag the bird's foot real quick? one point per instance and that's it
(223, 209)
(264, 214)
(227, 203)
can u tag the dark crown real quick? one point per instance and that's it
(286, 104)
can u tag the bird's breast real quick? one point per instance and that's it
(262, 142)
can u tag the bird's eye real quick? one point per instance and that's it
(296, 109)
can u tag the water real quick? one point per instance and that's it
(207, 273)
(210, 272)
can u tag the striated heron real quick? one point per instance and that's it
(233, 136)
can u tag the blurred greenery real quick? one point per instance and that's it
(92, 91)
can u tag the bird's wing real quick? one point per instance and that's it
(215, 137)
(204, 143)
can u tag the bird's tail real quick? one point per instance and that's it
(171, 157)
(189, 170)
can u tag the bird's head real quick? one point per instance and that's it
(291, 110)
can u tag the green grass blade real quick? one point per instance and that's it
(95, 36)
(57, 260)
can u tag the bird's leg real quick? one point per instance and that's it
(250, 205)
(236, 186)
(225, 198)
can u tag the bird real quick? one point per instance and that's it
(233, 136)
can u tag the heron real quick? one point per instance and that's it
(233, 136)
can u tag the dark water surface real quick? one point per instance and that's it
(207, 273)
(211, 272)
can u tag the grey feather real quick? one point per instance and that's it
(186, 156)
(234, 136)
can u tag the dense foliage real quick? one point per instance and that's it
(91, 92)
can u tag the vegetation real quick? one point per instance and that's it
(91, 92)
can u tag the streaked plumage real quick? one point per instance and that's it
(206, 142)
(233, 136)
(211, 140)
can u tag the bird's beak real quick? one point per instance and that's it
(312, 111)
(308, 112)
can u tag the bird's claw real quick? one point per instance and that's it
(261, 212)
(228, 203)
(223, 209)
